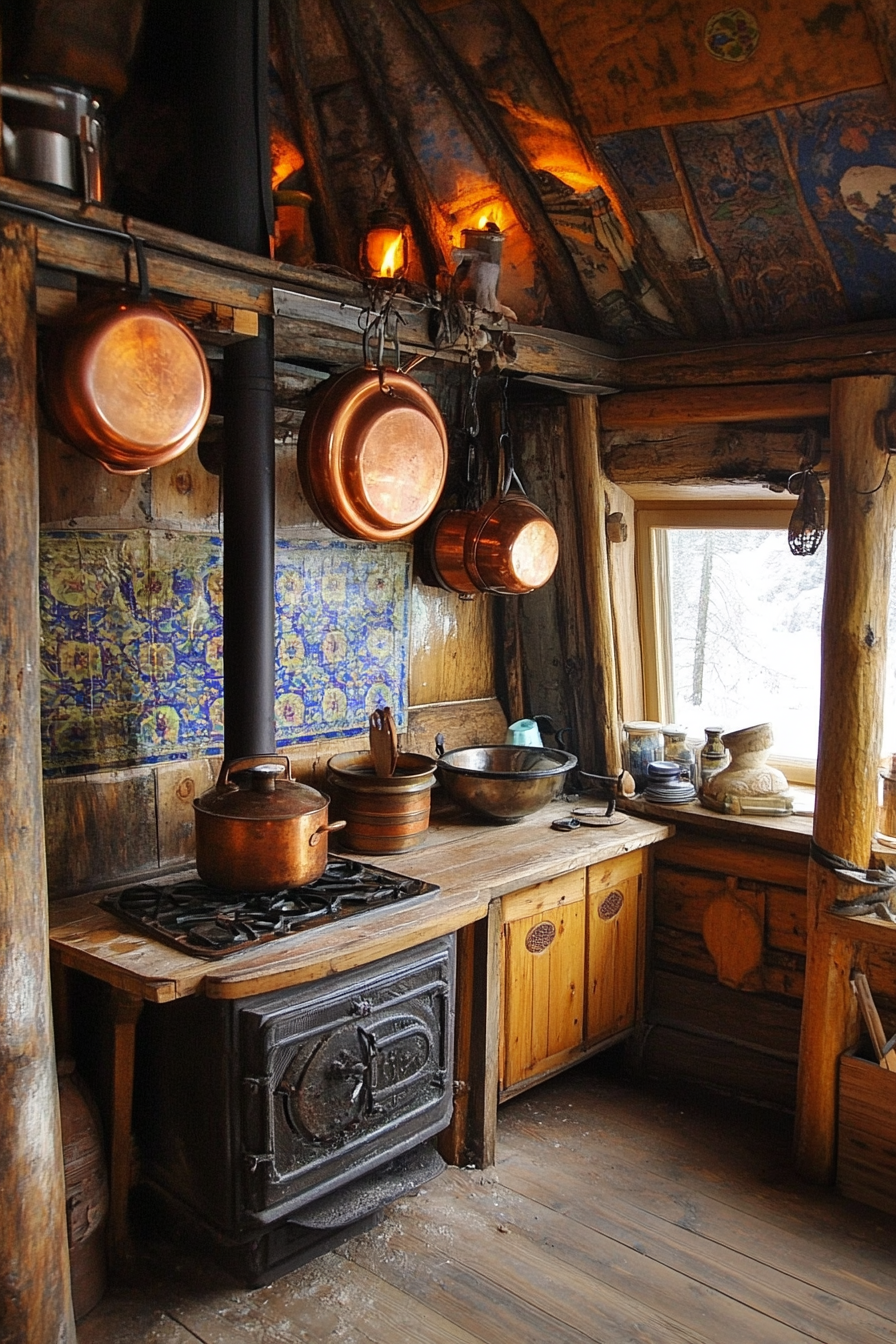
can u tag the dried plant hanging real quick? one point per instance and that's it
(808, 518)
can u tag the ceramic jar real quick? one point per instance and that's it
(713, 755)
(749, 775)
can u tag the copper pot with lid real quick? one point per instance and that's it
(126, 382)
(263, 830)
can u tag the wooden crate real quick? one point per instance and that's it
(866, 1141)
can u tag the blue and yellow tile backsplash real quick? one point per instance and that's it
(132, 643)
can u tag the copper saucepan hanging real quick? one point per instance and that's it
(510, 545)
(126, 382)
(372, 452)
(445, 552)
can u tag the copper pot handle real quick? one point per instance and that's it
(247, 762)
(324, 830)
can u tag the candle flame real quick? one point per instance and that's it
(390, 261)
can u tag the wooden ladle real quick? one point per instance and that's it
(383, 742)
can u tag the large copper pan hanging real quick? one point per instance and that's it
(372, 454)
(126, 382)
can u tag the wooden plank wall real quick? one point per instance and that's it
(727, 961)
(114, 824)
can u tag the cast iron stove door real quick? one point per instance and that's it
(344, 1080)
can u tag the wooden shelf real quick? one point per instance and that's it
(326, 304)
(793, 832)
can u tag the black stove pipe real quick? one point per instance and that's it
(232, 204)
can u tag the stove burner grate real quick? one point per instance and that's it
(207, 922)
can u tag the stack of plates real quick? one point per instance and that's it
(665, 784)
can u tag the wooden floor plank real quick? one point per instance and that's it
(675, 1158)
(119, 1322)
(860, 1277)
(491, 1310)
(616, 1215)
(774, 1292)
(538, 1250)
(329, 1299)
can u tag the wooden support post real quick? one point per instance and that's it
(35, 1291)
(588, 488)
(126, 1009)
(853, 662)
(471, 1135)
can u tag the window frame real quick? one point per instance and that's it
(651, 562)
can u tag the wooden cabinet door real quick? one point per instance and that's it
(615, 895)
(542, 982)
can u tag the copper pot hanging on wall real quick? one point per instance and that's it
(372, 454)
(510, 546)
(126, 382)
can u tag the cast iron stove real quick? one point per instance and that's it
(206, 922)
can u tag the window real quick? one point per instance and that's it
(731, 626)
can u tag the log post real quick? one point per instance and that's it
(853, 663)
(588, 488)
(35, 1292)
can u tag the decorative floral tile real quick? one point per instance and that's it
(132, 643)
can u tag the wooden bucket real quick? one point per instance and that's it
(383, 816)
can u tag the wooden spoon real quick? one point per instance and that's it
(383, 742)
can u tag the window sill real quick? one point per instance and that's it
(792, 832)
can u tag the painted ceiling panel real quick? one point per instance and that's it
(844, 149)
(662, 62)
(779, 275)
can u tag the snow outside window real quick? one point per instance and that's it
(738, 635)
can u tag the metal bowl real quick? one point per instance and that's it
(504, 783)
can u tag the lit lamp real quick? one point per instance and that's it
(384, 248)
(486, 242)
(482, 248)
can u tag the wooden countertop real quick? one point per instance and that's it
(473, 863)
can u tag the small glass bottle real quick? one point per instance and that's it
(643, 743)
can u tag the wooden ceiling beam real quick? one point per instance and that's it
(501, 158)
(646, 248)
(880, 16)
(363, 33)
(677, 455)
(850, 351)
(330, 236)
(709, 405)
